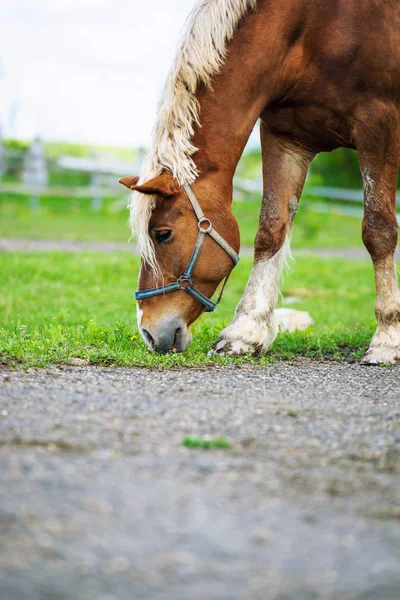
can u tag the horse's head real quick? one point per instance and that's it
(164, 315)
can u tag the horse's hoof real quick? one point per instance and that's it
(381, 356)
(231, 348)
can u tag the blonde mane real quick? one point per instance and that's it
(201, 55)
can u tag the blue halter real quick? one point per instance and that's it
(184, 282)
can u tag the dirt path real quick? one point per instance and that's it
(99, 500)
(22, 245)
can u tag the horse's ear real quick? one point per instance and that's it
(129, 182)
(164, 184)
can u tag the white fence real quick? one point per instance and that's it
(33, 170)
(104, 173)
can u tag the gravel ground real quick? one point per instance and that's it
(99, 500)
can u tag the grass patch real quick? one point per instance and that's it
(292, 413)
(63, 219)
(57, 306)
(218, 444)
(74, 220)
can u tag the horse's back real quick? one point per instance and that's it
(341, 55)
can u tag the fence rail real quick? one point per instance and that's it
(322, 192)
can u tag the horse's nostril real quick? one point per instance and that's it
(177, 338)
(149, 339)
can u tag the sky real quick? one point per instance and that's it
(86, 70)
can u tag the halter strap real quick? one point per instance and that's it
(184, 282)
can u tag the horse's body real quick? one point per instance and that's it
(320, 74)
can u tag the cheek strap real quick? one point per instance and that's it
(184, 282)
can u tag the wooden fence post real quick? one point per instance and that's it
(97, 201)
(35, 173)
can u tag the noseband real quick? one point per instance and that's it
(184, 282)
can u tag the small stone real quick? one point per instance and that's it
(79, 362)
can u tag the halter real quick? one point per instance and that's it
(184, 282)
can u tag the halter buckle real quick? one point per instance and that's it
(184, 282)
(204, 220)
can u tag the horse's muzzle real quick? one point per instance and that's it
(170, 335)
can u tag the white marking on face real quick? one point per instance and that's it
(139, 314)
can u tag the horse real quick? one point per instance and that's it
(318, 75)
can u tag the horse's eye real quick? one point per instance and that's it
(162, 235)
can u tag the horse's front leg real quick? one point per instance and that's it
(256, 323)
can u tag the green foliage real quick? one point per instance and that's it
(18, 150)
(57, 307)
(250, 164)
(16, 145)
(56, 149)
(218, 444)
(337, 169)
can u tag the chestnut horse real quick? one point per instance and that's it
(319, 74)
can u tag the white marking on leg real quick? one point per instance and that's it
(385, 345)
(255, 325)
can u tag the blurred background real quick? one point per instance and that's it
(79, 85)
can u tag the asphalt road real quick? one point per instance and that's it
(100, 501)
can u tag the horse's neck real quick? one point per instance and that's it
(229, 111)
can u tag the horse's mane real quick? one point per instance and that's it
(201, 54)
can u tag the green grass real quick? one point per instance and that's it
(72, 219)
(292, 413)
(62, 219)
(55, 307)
(218, 444)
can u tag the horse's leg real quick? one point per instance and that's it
(379, 153)
(255, 324)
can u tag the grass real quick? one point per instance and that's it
(292, 413)
(55, 307)
(62, 219)
(218, 444)
(72, 219)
